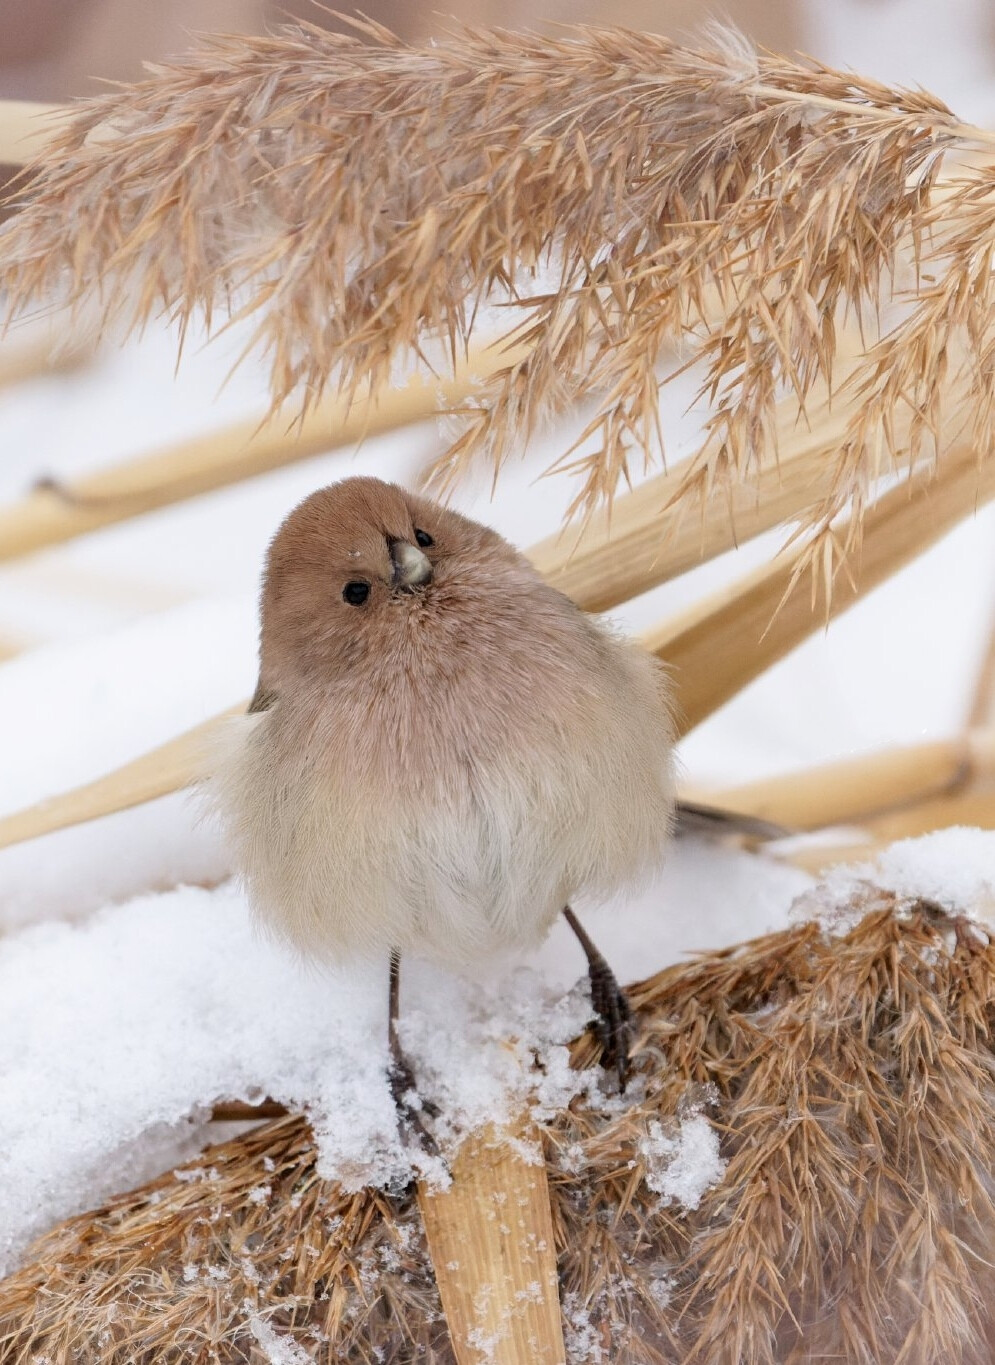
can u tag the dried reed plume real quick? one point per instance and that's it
(850, 1080)
(363, 200)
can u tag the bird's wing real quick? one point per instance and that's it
(262, 699)
(711, 822)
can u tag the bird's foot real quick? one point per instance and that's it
(614, 1025)
(411, 1109)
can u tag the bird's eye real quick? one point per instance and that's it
(423, 538)
(356, 593)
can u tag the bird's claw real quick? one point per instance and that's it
(410, 1115)
(614, 1020)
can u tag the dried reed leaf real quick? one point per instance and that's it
(849, 1077)
(363, 200)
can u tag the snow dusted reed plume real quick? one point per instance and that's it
(361, 199)
(803, 1173)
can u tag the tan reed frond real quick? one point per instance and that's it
(362, 200)
(848, 1076)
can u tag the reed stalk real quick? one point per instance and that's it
(56, 512)
(719, 645)
(490, 1236)
(974, 808)
(653, 534)
(26, 127)
(38, 355)
(854, 790)
(982, 708)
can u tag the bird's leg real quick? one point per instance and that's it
(610, 1005)
(401, 1076)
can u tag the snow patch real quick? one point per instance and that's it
(682, 1165)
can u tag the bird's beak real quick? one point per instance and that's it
(412, 569)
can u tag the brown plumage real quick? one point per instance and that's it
(444, 750)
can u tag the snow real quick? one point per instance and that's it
(278, 1350)
(124, 1015)
(682, 1165)
(953, 867)
(117, 1034)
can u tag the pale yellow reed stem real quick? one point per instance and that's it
(643, 542)
(974, 808)
(168, 768)
(57, 513)
(982, 709)
(34, 356)
(10, 647)
(718, 646)
(25, 127)
(854, 790)
(647, 539)
(490, 1236)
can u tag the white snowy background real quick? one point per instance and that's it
(133, 990)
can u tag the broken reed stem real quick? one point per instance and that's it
(713, 650)
(722, 643)
(490, 1236)
(26, 126)
(58, 512)
(854, 790)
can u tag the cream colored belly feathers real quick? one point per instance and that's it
(451, 870)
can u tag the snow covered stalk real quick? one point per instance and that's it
(490, 1235)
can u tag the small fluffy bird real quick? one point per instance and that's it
(442, 751)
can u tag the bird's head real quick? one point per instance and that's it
(351, 568)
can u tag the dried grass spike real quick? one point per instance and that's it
(360, 199)
(848, 1078)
